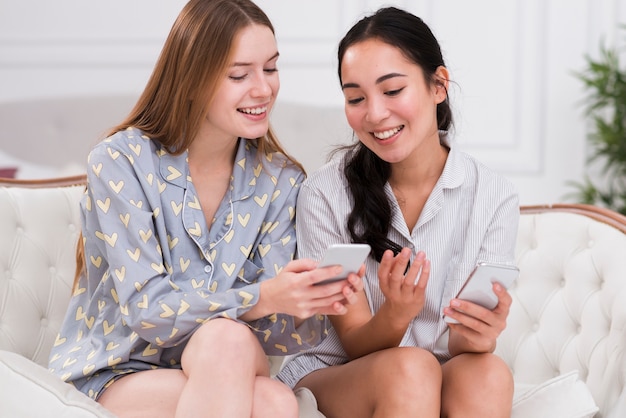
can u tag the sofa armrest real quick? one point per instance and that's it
(30, 390)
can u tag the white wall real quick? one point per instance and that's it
(518, 105)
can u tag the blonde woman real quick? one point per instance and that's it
(186, 279)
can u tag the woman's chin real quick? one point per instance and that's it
(257, 132)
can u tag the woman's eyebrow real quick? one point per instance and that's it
(246, 64)
(388, 76)
(378, 80)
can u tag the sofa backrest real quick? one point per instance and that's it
(569, 310)
(68, 127)
(39, 228)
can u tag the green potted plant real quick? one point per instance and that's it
(605, 82)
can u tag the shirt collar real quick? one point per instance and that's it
(453, 174)
(175, 169)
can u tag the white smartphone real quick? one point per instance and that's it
(479, 286)
(349, 256)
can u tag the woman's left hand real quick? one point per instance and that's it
(478, 327)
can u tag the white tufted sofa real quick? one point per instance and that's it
(566, 338)
(565, 342)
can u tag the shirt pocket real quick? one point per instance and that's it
(249, 273)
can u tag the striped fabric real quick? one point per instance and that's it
(471, 216)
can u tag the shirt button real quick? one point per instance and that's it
(207, 269)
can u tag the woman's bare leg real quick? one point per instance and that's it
(226, 365)
(152, 393)
(225, 373)
(396, 382)
(476, 386)
(273, 399)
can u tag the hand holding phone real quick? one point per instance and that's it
(479, 286)
(349, 256)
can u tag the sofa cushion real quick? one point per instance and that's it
(307, 404)
(30, 390)
(564, 396)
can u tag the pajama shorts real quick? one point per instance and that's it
(95, 384)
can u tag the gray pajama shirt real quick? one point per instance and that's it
(156, 270)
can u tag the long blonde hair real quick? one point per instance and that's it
(186, 75)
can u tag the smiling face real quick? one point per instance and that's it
(388, 103)
(244, 98)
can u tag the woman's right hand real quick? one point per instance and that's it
(405, 291)
(295, 290)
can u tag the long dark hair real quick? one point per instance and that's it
(365, 172)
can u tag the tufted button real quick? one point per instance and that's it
(535, 327)
(71, 227)
(44, 322)
(591, 243)
(562, 282)
(579, 329)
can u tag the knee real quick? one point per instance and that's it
(497, 373)
(220, 338)
(493, 372)
(405, 377)
(222, 332)
(415, 363)
(411, 367)
(471, 378)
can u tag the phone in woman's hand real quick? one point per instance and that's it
(479, 286)
(349, 256)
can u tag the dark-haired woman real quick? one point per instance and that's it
(430, 213)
